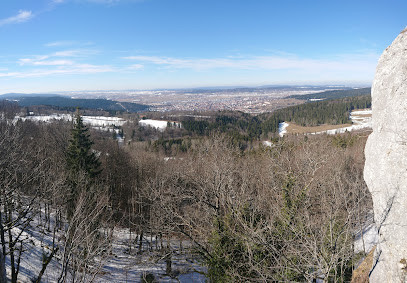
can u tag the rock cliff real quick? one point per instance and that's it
(386, 162)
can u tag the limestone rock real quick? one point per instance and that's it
(386, 162)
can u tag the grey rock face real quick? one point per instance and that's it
(386, 162)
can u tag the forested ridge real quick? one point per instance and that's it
(332, 112)
(69, 103)
(334, 94)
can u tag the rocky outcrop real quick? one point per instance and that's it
(386, 163)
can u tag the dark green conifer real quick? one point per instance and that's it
(82, 163)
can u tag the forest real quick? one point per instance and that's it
(64, 102)
(334, 94)
(289, 212)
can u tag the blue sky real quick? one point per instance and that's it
(62, 45)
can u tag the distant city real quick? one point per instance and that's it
(248, 100)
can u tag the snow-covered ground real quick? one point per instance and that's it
(100, 123)
(158, 124)
(45, 118)
(121, 266)
(361, 119)
(367, 240)
(89, 120)
(129, 267)
(103, 121)
(282, 129)
(267, 143)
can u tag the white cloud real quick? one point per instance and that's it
(340, 63)
(57, 63)
(59, 43)
(66, 43)
(75, 69)
(21, 17)
(105, 2)
(35, 62)
(66, 53)
(136, 67)
(47, 60)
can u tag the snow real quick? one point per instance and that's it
(100, 123)
(158, 124)
(282, 129)
(361, 119)
(127, 266)
(267, 143)
(46, 118)
(103, 121)
(359, 122)
(121, 266)
(370, 239)
(89, 120)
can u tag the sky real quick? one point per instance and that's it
(74, 45)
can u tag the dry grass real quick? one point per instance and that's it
(361, 274)
(295, 129)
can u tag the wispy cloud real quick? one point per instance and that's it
(49, 60)
(67, 43)
(75, 69)
(136, 67)
(105, 2)
(361, 62)
(57, 63)
(35, 62)
(60, 43)
(21, 17)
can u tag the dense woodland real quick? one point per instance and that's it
(333, 112)
(67, 103)
(289, 212)
(334, 94)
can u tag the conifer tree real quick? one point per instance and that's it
(82, 163)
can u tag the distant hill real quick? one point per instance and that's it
(67, 102)
(25, 95)
(334, 94)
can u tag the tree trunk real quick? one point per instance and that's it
(140, 245)
(3, 274)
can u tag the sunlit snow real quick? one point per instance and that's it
(158, 124)
(361, 119)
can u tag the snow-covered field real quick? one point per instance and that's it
(97, 122)
(45, 118)
(282, 129)
(158, 124)
(361, 119)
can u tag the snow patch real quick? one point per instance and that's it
(267, 143)
(158, 124)
(282, 128)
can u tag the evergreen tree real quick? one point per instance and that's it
(82, 163)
